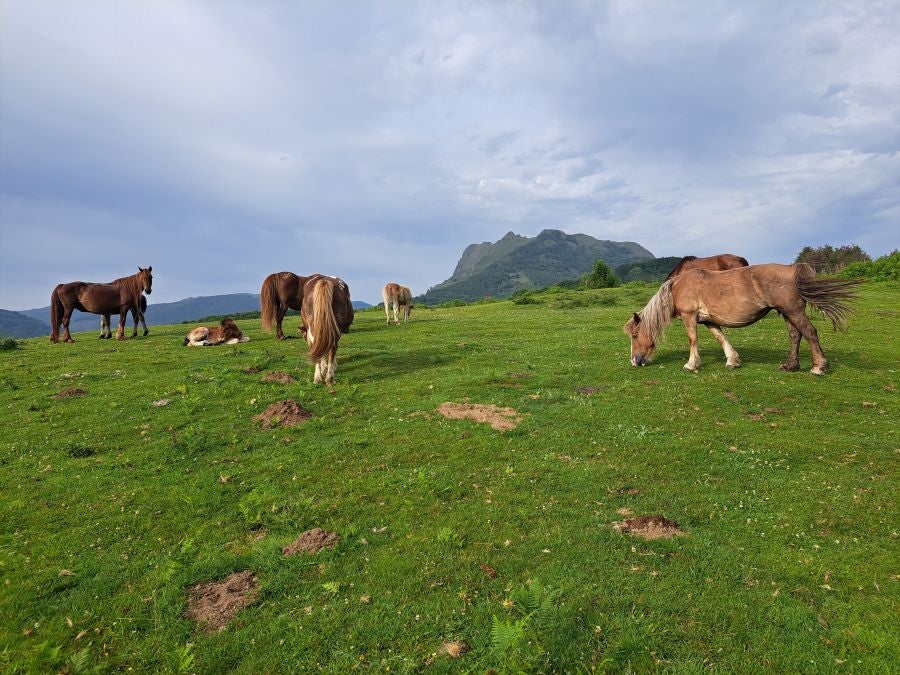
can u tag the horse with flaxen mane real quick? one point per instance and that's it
(737, 298)
(715, 263)
(226, 333)
(400, 297)
(280, 292)
(120, 297)
(105, 330)
(326, 312)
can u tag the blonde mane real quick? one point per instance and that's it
(657, 313)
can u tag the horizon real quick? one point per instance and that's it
(220, 143)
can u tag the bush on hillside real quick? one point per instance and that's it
(601, 276)
(885, 268)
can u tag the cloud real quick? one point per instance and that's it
(377, 142)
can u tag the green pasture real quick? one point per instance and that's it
(786, 486)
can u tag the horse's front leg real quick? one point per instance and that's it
(690, 325)
(732, 360)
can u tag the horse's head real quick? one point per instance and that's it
(146, 277)
(642, 345)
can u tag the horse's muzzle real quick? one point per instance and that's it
(639, 360)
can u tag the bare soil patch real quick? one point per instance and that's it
(587, 391)
(278, 376)
(652, 383)
(250, 370)
(652, 526)
(284, 414)
(70, 392)
(213, 604)
(501, 419)
(312, 541)
(517, 375)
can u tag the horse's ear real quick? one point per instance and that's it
(150, 269)
(140, 269)
(636, 318)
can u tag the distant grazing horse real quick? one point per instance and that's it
(400, 296)
(327, 312)
(737, 298)
(280, 292)
(106, 332)
(226, 333)
(121, 296)
(716, 263)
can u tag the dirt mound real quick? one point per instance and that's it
(312, 541)
(250, 370)
(283, 413)
(501, 419)
(278, 376)
(214, 603)
(652, 526)
(70, 392)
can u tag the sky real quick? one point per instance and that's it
(222, 141)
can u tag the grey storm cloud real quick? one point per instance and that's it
(219, 142)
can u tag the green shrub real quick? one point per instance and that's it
(601, 276)
(885, 268)
(7, 343)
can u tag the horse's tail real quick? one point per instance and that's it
(268, 301)
(56, 312)
(829, 296)
(324, 332)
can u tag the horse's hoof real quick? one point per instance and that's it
(789, 367)
(736, 364)
(819, 370)
(690, 369)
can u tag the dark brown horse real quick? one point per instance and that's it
(715, 263)
(121, 296)
(106, 331)
(280, 292)
(400, 297)
(327, 312)
(737, 298)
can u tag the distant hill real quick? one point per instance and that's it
(514, 262)
(18, 325)
(189, 309)
(646, 270)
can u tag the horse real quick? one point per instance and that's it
(738, 298)
(400, 296)
(326, 312)
(226, 333)
(106, 333)
(280, 292)
(715, 263)
(122, 295)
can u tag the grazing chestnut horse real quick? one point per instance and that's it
(226, 333)
(121, 296)
(280, 292)
(737, 298)
(716, 263)
(400, 296)
(327, 312)
(106, 332)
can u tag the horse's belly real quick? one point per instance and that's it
(735, 319)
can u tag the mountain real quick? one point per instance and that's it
(499, 269)
(19, 325)
(646, 270)
(189, 309)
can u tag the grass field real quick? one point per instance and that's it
(785, 484)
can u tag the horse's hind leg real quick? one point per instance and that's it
(793, 360)
(808, 331)
(332, 367)
(67, 336)
(120, 331)
(732, 359)
(279, 317)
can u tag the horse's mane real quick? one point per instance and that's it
(132, 283)
(657, 313)
(681, 263)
